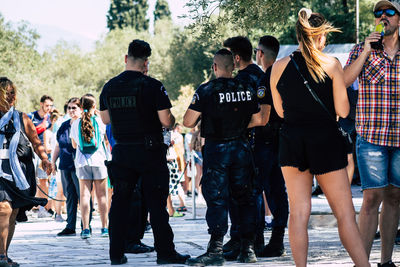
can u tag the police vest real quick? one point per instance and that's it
(228, 111)
(125, 106)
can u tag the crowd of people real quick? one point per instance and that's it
(256, 143)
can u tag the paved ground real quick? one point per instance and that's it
(35, 242)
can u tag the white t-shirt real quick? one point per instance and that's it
(97, 158)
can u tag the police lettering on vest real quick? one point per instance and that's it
(228, 97)
(226, 105)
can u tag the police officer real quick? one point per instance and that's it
(250, 73)
(227, 108)
(137, 107)
(266, 153)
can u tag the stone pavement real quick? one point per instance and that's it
(35, 242)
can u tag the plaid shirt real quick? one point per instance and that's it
(378, 106)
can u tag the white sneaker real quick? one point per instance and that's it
(58, 218)
(43, 214)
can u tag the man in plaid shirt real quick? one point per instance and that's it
(378, 128)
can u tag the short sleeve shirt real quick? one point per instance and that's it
(378, 106)
(67, 152)
(36, 119)
(202, 97)
(264, 95)
(251, 74)
(155, 95)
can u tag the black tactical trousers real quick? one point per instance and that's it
(137, 215)
(228, 172)
(128, 164)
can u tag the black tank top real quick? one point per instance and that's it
(299, 106)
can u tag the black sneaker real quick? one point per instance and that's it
(387, 264)
(67, 232)
(138, 248)
(174, 258)
(120, 261)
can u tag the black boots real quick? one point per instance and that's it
(275, 246)
(175, 257)
(232, 249)
(213, 256)
(259, 244)
(232, 244)
(247, 254)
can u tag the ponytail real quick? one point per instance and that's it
(87, 102)
(309, 26)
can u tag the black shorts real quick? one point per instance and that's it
(317, 149)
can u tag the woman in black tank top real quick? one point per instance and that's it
(310, 143)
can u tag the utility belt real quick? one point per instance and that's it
(150, 141)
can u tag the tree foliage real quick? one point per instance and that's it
(161, 10)
(278, 18)
(181, 58)
(128, 13)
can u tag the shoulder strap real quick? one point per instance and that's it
(314, 95)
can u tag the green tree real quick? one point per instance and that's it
(128, 13)
(279, 17)
(161, 10)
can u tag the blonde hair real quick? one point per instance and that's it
(308, 27)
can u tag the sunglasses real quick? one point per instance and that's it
(388, 12)
(73, 108)
(257, 49)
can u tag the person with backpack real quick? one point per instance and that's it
(87, 135)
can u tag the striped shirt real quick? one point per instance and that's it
(378, 106)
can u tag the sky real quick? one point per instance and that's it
(76, 21)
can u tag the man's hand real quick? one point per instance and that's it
(373, 37)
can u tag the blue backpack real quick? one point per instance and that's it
(93, 145)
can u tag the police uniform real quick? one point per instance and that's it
(226, 107)
(132, 100)
(251, 74)
(269, 175)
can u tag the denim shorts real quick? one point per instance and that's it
(379, 166)
(198, 158)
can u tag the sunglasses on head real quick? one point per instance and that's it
(388, 12)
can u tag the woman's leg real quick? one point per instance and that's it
(84, 204)
(298, 186)
(60, 196)
(109, 195)
(44, 185)
(5, 214)
(101, 196)
(199, 174)
(170, 207)
(336, 188)
(11, 227)
(350, 167)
